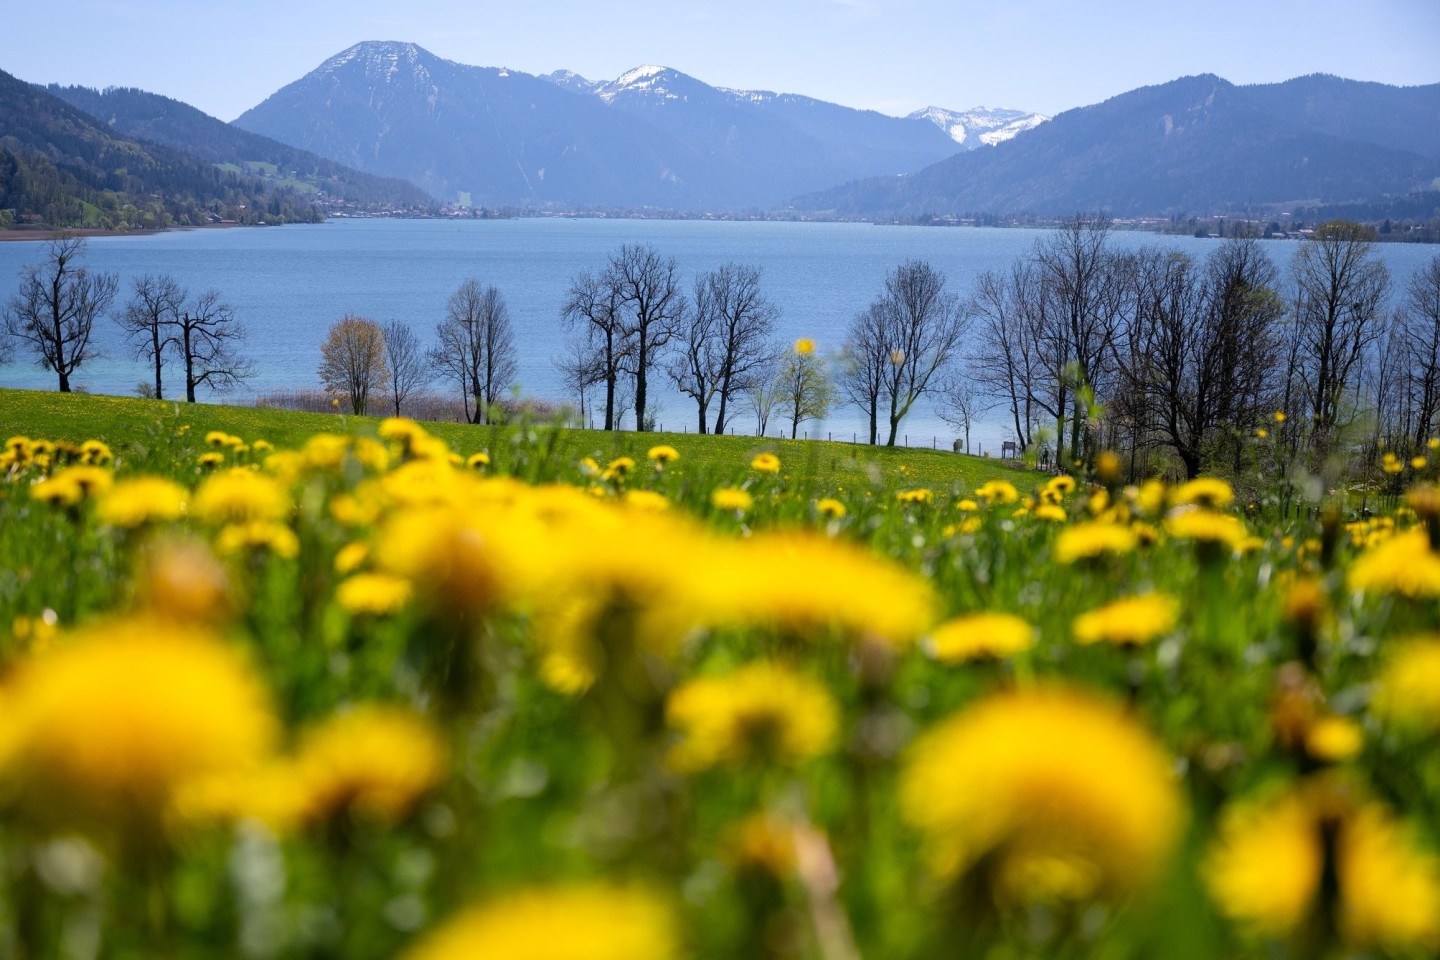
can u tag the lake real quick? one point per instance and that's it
(289, 284)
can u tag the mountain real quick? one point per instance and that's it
(1195, 145)
(980, 126)
(654, 137)
(61, 167)
(148, 116)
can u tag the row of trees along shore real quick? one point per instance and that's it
(1078, 346)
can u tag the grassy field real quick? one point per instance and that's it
(135, 424)
(357, 692)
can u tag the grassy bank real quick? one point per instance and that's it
(128, 423)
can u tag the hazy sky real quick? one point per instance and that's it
(225, 56)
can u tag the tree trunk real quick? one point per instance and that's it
(610, 401)
(641, 359)
(64, 381)
(874, 422)
(702, 415)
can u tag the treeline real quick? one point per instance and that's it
(60, 168)
(1155, 354)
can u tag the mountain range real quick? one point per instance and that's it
(653, 137)
(1195, 145)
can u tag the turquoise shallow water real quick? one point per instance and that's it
(288, 284)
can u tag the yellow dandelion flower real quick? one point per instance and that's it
(1061, 486)
(351, 557)
(1049, 512)
(106, 728)
(979, 636)
(73, 485)
(648, 500)
(1418, 463)
(1092, 541)
(237, 496)
(1391, 464)
(762, 713)
(478, 461)
(581, 923)
(95, 453)
(1408, 692)
(731, 498)
(1280, 416)
(370, 763)
(373, 594)
(830, 508)
(1130, 621)
(764, 843)
(1265, 868)
(1079, 802)
(804, 346)
(1210, 492)
(211, 460)
(618, 469)
(217, 438)
(966, 505)
(1206, 527)
(997, 491)
(136, 502)
(1403, 564)
(663, 454)
(1334, 739)
(803, 583)
(918, 495)
(765, 463)
(264, 535)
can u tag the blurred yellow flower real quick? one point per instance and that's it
(1078, 801)
(1403, 564)
(976, 636)
(804, 346)
(1206, 527)
(95, 453)
(997, 491)
(663, 454)
(1265, 868)
(73, 485)
(761, 713)
(104, 730)
(649, 500)
(830, 508)
(765, 463)
(141, 500)
(237, 496)
(478, 461)
(265, 535)
(1209, 492)
(1129, 621)
(579, 923)
(368, 763)
(373, 594)
(918, 495)
(1093, 540)
(731, 498)
(1407, 694)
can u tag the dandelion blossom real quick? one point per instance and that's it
(761, 713)
(1130, 621)
(580, 923)
(136, 502)
(1053, 794)
(765, 463)
(1092, 541)
(731, 498)
(663, 454)
(977, 636)
(1403, 564)
(372, 762)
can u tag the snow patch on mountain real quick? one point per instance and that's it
(980, 125)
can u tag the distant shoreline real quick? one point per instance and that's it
(14, 235)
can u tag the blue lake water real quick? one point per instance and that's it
(288, 284)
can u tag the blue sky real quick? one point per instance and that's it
(225, 56)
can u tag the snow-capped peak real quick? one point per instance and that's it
(648, 80)
(980, 124)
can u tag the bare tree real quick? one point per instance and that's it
(697, 352)
(593, 303)
(962, 402)
(208, 337)
(1006, 363)
(746, 324)
(149, 319)
(923, 326)
(1419, 327)
(1084, 300)
(352, 360)
(476, 347)
(54, 311)
(863, 363)
(651, 305)
(1340, 291)
(404, 362)
(581, 369)
(763, 395)
(802, 386)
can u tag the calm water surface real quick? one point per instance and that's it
(288, 284)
